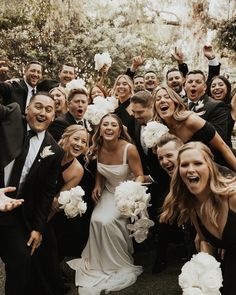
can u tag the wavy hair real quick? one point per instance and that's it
(69, 131)
(97, 138)
(227, 99)
(181, 112)
(128, 80)
(180, 203)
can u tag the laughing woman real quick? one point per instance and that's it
(188, 126)
(107, 262)
(199, 192)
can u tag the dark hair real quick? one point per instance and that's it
(73, 92)
(32, 63)
(228, 97)
(138, 76)
(45, 93)
(68, 64)
(168, 137)
(143, 97)
(150, 72)
(47, 85)
(173, 70)
(194, 72)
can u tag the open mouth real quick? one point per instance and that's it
(193, 179)
(193, 91)
(164, 108)
(40, 120)
(77, 148)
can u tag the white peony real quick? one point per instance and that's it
(76, 84)
(77, 193)
(82, 207)
(64, 198)
(193, 291)
(101, 60)
(71, 210)
(211, 280)
(152, 132)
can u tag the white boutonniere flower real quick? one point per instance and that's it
(101, 60)
(46, 152)
(198, 107)
(152, 132)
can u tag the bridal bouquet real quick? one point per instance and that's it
(72, 202)
(100, 107)
(102, 60)
(152, 132)
(201, 276)
(132, 201)
(76, 84)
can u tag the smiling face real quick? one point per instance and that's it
(194, 172)
(164, 105)
(142, 114)
(96, 91)
(78, 105)
(122, 89)
(195, 86)
(76, 144)
(167, 156)
(109, 128)
(66, 74)
(33, 74)
(40, 112)
(151, 81)
(175, 81)
(138, 84)
(218, 89)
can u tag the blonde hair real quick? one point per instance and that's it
(69, 131)
(181, 112)
(128, 80)
(180, 202)
(62, 90)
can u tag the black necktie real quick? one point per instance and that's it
(81, 123)
(191, 105)
(20, 161)
(33, 91)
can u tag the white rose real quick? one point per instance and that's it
(193, 291)
(77, 193)
(188, 276)
(71, 210)
(82, 206)
(64, 198)
(205, 260)
(125, 207)
(211, 280)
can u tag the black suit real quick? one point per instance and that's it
(216, 113)
(37, 190)
(59, 125)
(14, 92)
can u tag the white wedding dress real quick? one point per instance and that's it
(107, 262)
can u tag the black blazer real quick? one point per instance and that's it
(59, 125)
(14, 92)
(216, 113)
(39, 187)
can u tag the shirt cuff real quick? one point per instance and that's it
(213, 62)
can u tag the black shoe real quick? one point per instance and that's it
(159, 266)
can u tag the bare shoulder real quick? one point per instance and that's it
(75, 170)
(194, 122)
(132, 150)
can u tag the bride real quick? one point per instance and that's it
(107, 262)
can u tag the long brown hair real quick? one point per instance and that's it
(180, 202)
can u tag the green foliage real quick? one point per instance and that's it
(227, 34)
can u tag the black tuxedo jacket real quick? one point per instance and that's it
(59, 125)
(14, 92)
(39, 187)
(217, 113)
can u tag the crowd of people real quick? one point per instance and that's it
(48, 147)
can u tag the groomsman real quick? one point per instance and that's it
(77, 106)
(30, 159)
(21, 90)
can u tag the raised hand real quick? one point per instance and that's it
(6, 203)
(208, 51)
(178, 55)
(137, 62)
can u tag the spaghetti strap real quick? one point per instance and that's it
(125, 153)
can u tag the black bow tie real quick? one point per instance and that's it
(191, 105)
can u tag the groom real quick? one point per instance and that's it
(21, 229)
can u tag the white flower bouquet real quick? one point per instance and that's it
(72, 202)
(132, 201)
(100, 107)
(76, 84)
(152, 132)
(201, 276)
(102, 60)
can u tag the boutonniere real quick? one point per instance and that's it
(198, 107)
(46, 152)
